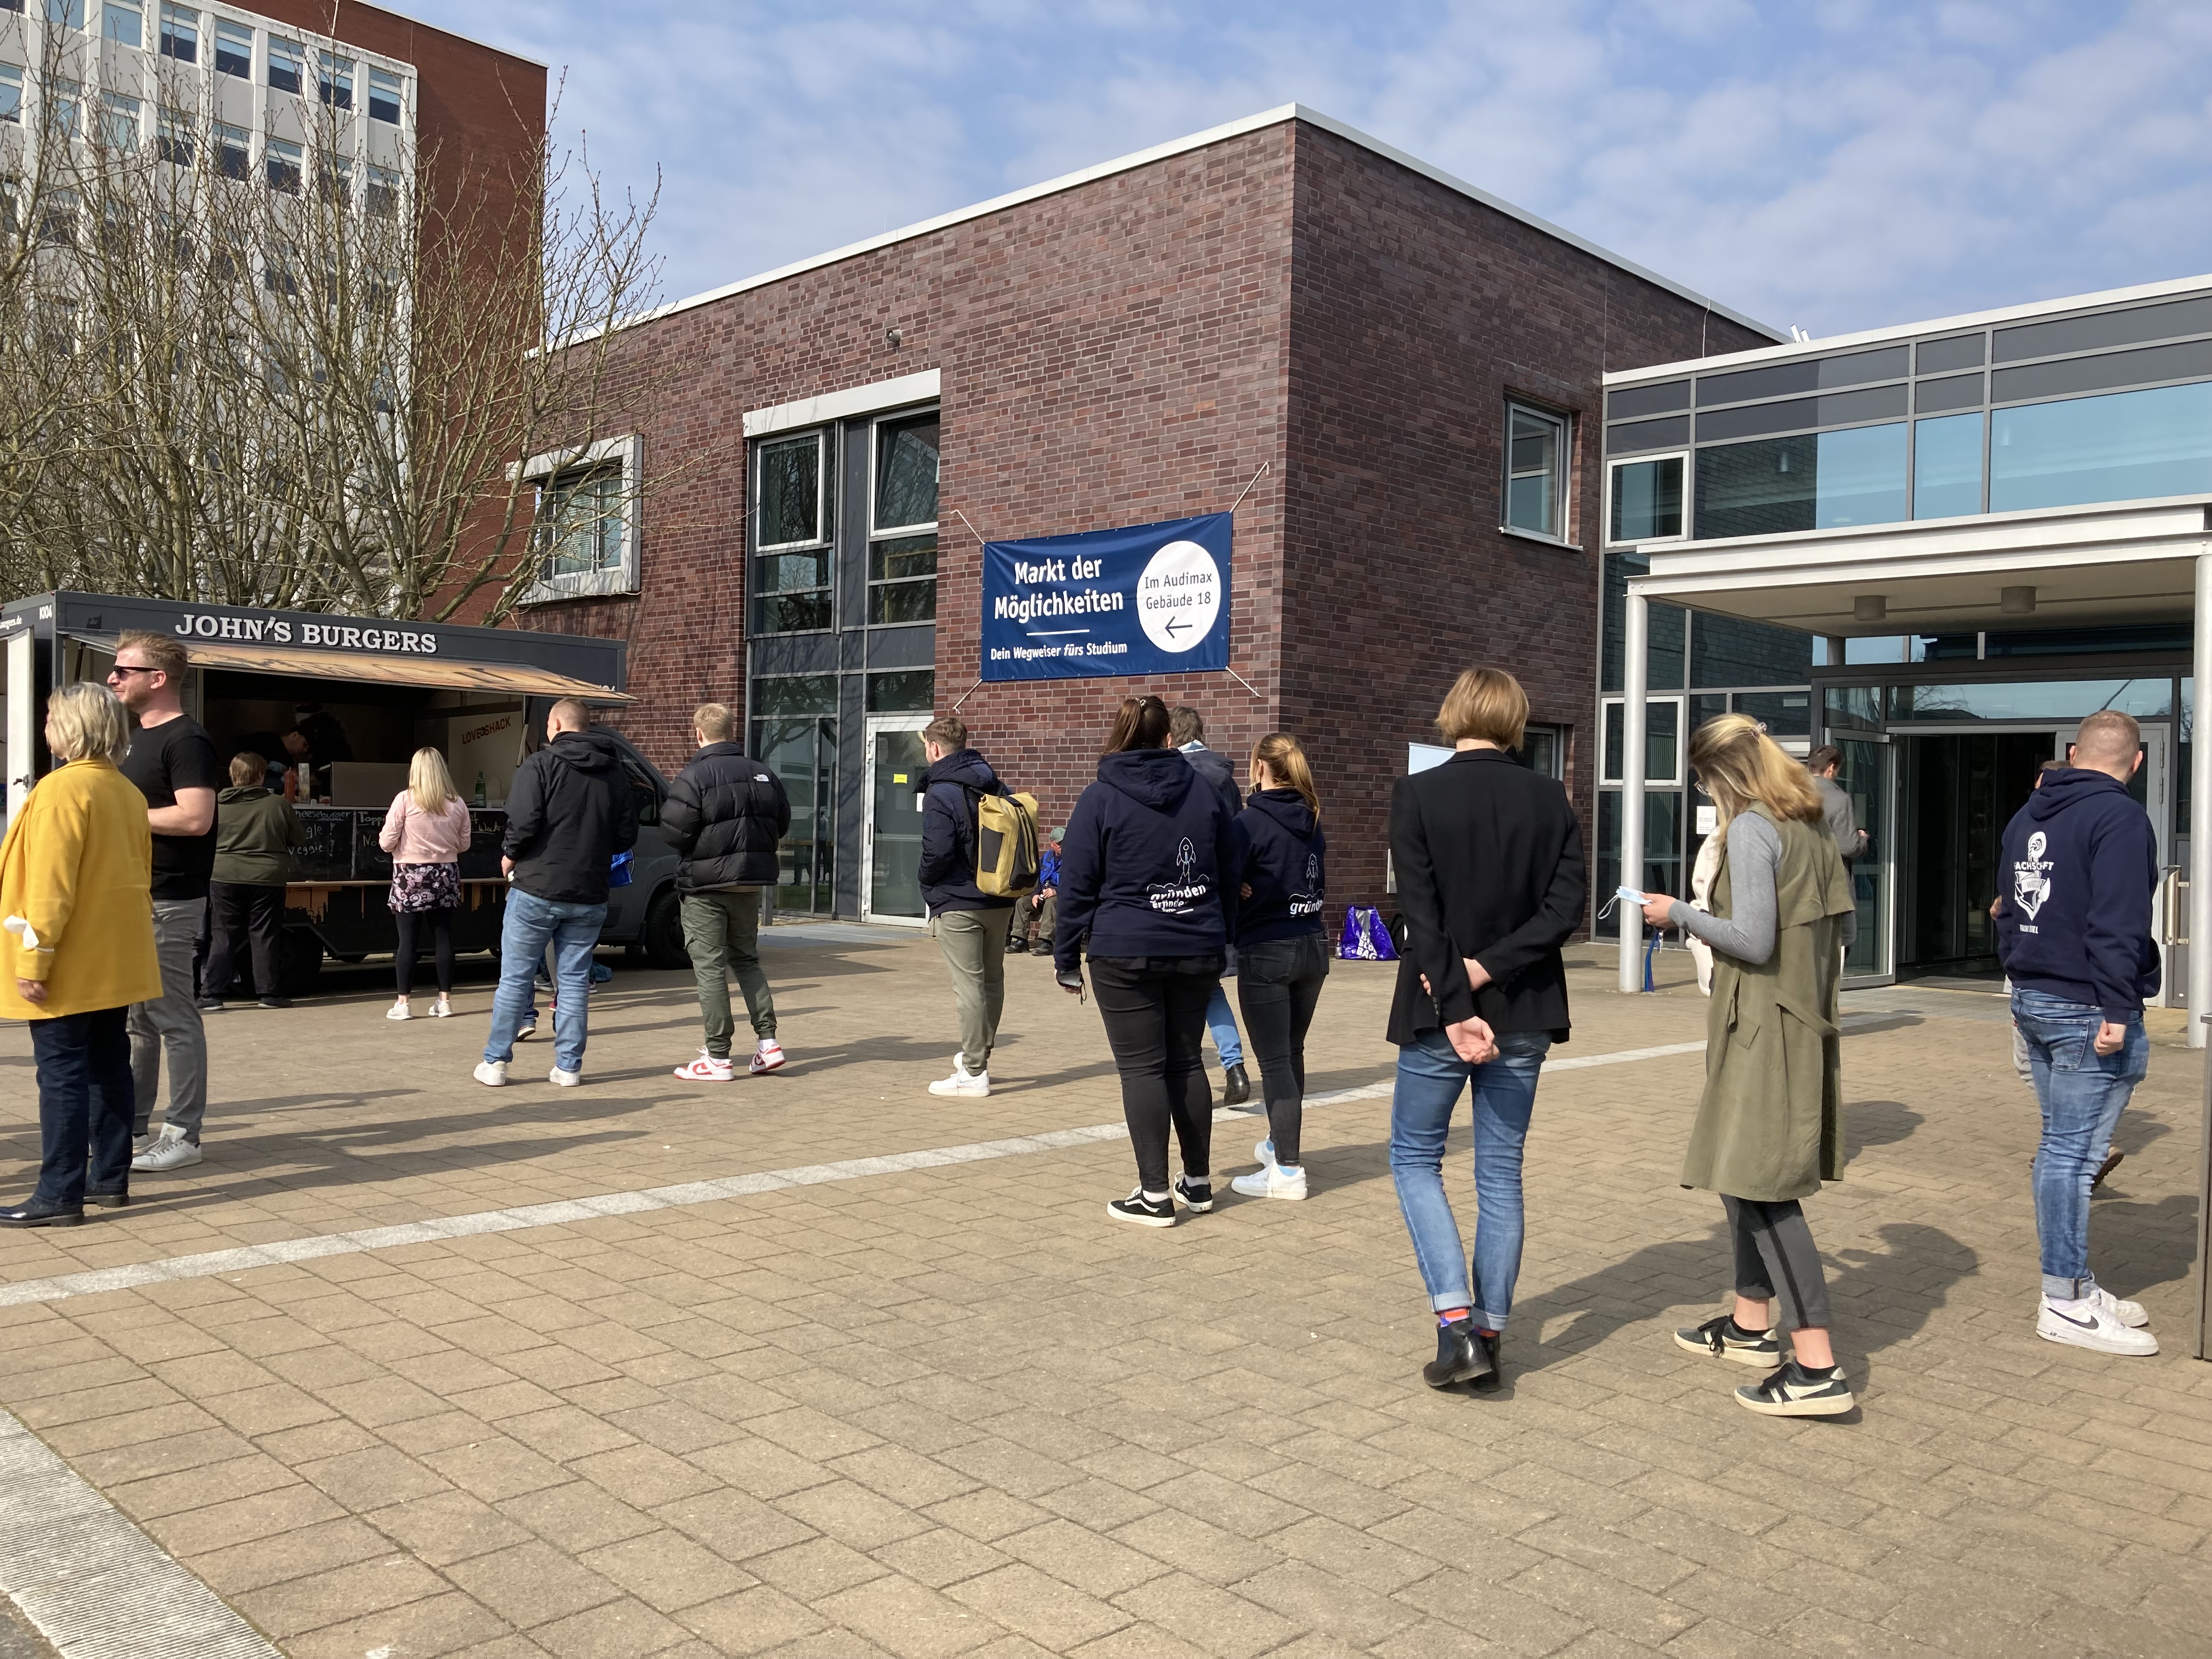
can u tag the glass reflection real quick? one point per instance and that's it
(1947, 466)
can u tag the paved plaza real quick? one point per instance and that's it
(410, 1367)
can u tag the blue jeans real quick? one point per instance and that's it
(2082, 1094)
(1430, 1079)
(531, 925)
(1223, 1024)
(85, 1095)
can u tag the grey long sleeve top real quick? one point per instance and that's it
(1754, 853)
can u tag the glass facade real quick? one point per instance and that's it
(1947, 466)
(2132, 445)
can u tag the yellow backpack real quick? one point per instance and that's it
(1007, 861)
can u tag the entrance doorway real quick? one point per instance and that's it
(890, 876)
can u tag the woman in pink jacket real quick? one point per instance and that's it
(425, 832)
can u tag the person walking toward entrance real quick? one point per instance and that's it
(426, 830)
(255, 831)
(1282, 947)
(173, 761)
(971, 926)
(1770, 1126)
(1489, 857)
(2075, 938)
(724, 817)
(568, 811)
(1824, 763)
(1144, 893)
(1187, 730)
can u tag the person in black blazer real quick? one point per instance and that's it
(1489, 860)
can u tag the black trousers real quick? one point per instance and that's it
(85, 1102)
(243, 916)
(410, 924)
(1277, 987)
(1154, 1008)
(1775, 1257)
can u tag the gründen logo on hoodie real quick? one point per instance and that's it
(1308, 903)
(2031, 881)
(1181, 897)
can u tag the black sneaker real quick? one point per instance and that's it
(1236, 1086)
(1727, 1339)
(209, 1005)
(1462, 1356)
(276, 1002)
(1141, 1210)
(1198, 1201)
(1793, 1391)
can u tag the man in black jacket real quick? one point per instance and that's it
(725, 815)
(1187, 730)
(970, 926)
(568, 812)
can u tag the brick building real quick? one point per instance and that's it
(1280, 299)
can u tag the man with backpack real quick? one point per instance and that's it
(970, 925)
(1187, 732)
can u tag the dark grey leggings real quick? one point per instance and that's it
(1775, 1257)
(1278, 985)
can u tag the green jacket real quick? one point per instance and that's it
(253, 827)
(1771, 1125)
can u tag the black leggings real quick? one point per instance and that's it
(1775, 1255)
(403, 959)
(1154, 1008)
(1278, 986)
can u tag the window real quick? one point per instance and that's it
(903, 692)
(124, 23)
(902, 580)
(65, 13)
(1647, 501)
(173, 137)
(283, 159)
(335, 83)
(64, 99)
(234, 49)
(334, 180)
(382, 198)
(58, 327)
(794, 725)
(288, 66)
(1947, 466)
(11, 94)
(583, 532)
(279, 274)
(2127, 446)
(180, 35)
(57, 218)
(1816, 481)
(234, 151)
(120, 119)
(1535, 472)
(791, 574)
(1663, 741)
(902, 568)
(1544, 750)
(384, 96)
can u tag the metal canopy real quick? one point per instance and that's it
(440, 672)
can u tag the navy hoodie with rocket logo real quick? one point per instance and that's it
(2079, 862)
(1142, 863)
(1280, 856)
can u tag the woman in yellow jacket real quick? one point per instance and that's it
(76, 879)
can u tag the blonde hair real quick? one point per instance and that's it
(1487, 703)
(247, 768)
(1740, 765)
(1278, 751)
(429, 785)
(85, 721)
(714, 722)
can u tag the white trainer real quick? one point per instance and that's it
(168, 1150)
(442, 1009)
(1274, 1180)
(962, 1082)
(708, 1068)
(492, 1073)
(2133, 1315)
(1265, 1152)
(2090, 1324)
(566, 1080)
(399, 1011)
(768, 1057)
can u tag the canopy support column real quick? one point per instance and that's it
(1635, 672)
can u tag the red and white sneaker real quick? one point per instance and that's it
(768, 1057)
(708, 1068)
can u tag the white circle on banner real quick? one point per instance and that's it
(1178, 595)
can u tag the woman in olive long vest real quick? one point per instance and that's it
(1770, 1126)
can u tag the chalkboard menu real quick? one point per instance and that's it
(341, 845)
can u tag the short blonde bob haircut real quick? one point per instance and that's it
(1487, 703)
(1739, 765)
(85, 722)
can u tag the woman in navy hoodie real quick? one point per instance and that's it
(1282, 947)
(1142, 867)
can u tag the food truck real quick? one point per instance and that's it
(372, 690)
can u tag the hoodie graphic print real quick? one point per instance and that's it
(1142, 864)
(2080, 864)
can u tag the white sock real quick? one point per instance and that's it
(2070, 1304)
(1157, 1198)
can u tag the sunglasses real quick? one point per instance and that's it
(130, 668)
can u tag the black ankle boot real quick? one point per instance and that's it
(1238, 1089)
(40, 1214)
(1462, 1356)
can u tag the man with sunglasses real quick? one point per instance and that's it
(173, 761)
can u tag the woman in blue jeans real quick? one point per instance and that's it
(1489, 858)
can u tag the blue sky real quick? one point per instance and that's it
(1836, 164)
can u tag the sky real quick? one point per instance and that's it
(1835, 165)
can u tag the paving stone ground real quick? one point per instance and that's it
(956, 1411)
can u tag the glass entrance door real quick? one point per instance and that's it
(1865, 777)
(891, 882)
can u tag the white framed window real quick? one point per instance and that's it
(234, 151)
(1537, 448)
(121, 118)
(11, 94)
(387, 96)
(288, 65)
(64, 99)
(1663, 741)
(1544, 750)
(234, 49)
(173, 137)
(585, 519)
(334, 84)
(1647, 499)
(790, 505)
(382, 197)
(180, 33)
(125, 23)
(283, 162)
(65, 13)
(334, 180)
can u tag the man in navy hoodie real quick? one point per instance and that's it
(2074, 935)
(970, 926)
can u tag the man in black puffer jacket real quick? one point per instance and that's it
(725, 815)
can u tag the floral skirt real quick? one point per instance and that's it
(417, 887)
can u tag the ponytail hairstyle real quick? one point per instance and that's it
(1280, 753)
(1740, 765)
(1140, 723)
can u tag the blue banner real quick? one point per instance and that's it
(1150, 601)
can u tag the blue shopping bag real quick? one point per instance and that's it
(1366, 937)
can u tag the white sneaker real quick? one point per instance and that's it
(168, 1150)
(492, 1073)
(442, 1009)
(2130, 1314)
(140, 1144)
(2090, 1324)
(566, 1080)
(962, 1082)
(1275, 1181)
(1265, 1152)
(398, 1011)
(708, 1068)
(768, 1057)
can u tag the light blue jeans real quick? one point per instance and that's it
(1430, 1079)
(2082, 1094)
(1223, 1024)
(573, 930)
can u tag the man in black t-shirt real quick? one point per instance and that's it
(173, 761)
